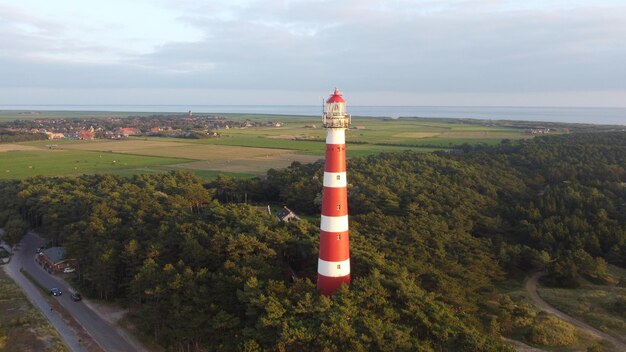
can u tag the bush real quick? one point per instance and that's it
(619, 306)
(548, 330)
(523, 315)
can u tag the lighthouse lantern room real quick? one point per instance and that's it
(335, 115)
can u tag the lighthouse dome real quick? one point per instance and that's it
(336, 97)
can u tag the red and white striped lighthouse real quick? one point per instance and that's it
(333, 266)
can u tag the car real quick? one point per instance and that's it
(55, 291)
(69, 269)
(75, 296)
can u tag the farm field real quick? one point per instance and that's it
(45, 162)
(403, 132)
(239, 152)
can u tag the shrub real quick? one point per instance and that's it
(548, 330)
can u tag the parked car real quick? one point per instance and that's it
(69, 269)
(75, 296)
(55, 291)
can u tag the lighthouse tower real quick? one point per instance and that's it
(333, 266)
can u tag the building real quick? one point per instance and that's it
(286, 215)
(53, 260)
(52, 135)
(129, 131)
(333, 268)
(87, 134)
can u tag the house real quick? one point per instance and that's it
(286, 215)
(53, 260)
(129, 131)
(87, 134)
(52, 135)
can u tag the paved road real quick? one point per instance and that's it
(105, 335)
(531, 288)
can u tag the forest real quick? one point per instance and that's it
(203, 266)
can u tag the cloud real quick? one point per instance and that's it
(415, 47)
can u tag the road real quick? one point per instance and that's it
(106, 336)
(531, 288)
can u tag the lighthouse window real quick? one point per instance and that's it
(338, 266)
(338, 177)
(338, 237)
(338, 206)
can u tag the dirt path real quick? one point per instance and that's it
(531, 288)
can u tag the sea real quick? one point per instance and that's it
(588, 115)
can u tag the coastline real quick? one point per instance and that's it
(586, 115)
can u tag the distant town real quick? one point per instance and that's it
(173, 125)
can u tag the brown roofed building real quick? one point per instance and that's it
(53, 260)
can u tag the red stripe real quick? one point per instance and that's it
(335, 158)
(333, 249)
(335, 201)
(327, 285)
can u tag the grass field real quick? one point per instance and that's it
(239, 152)
(45, 162)
(22, 327)
(597, 305)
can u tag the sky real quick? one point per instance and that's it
(295, 52)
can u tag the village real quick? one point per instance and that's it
(173, 125)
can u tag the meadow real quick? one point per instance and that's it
(238, 152)
(45, 162)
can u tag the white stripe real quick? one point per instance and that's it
(335, 179)
(334, 223)
(330, 268)
(336, 136)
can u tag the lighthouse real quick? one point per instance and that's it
(333, 266)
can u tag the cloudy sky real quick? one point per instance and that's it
(291, 52)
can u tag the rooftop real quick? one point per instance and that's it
(55, 254)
